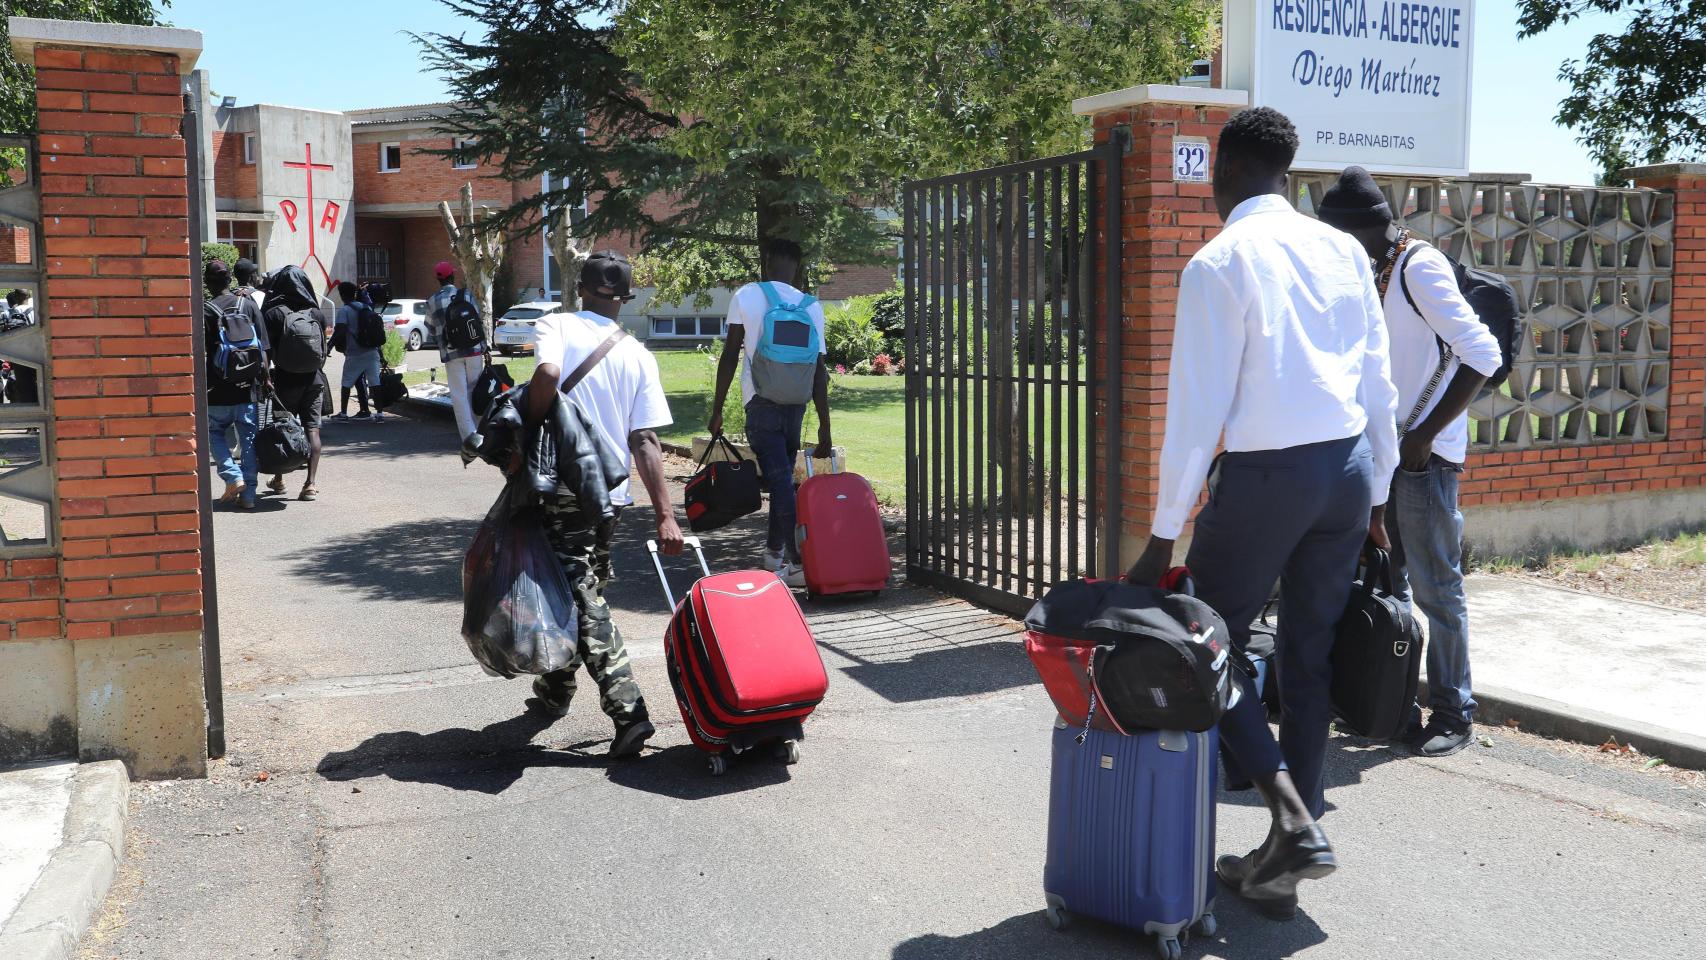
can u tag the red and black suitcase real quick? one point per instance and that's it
(742, 661)
(839, 532)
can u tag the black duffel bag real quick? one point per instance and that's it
(1162, 660)
(1377, 655)
(494, 381)
(391, 388)
(281, 445)
(722, 491)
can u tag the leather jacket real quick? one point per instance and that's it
(564, 455)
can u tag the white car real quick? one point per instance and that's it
(516, 331)
(408, 318)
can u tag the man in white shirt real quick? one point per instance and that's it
(622, 395)
(462, 351)
(1279, 350)
(772, 427)
(1441, 356)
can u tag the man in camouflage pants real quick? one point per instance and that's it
(613, 379)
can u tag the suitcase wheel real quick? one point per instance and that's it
(788, 751)
(1206, 927)
(1056, 913)
(719, 764)
(1169, 948)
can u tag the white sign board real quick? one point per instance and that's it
(1190, 159)
(1379, 83)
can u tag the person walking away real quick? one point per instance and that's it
(1442, 354)
(1279, 352)
(249, 282)
(776, 327)
(455, 322)
(363, 333)
(296, 337)
(236, 378)
(622, 395)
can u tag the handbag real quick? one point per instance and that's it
(281, 445)
(1377, 655)
(722, 491)
(391, 386)
(492, 382)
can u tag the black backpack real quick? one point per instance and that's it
(239, 360)
(302, 343)
(1494, 301)
(462, 329)
(369, 329)
(1377, 655)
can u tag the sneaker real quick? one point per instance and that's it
(772, 559)
(233, 490)
(1442, 739)
(340, 416)
(793, 575)
(631, 738)
(248, 503)
(378, 416)
(550, 698)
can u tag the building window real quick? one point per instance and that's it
(372, 265)
(685, 327)
(242, 234)
(249, 149)
(460, 145)
(390, 157)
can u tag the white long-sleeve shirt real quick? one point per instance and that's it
(1415, 351)
(1278, 342)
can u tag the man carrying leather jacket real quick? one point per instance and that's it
(612, 379)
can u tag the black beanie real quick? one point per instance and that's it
(1354, 201)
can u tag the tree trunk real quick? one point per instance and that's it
(1007, 429)
(478, 253)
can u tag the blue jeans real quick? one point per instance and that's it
(773, 431)
(221, 418)
(1427, 560)
(1298, 516)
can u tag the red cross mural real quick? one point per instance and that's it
(328, 220)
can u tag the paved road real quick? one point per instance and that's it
(410, 809)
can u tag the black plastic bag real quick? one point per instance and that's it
(518, 613)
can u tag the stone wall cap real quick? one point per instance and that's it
(30, 32)
(1160, 93)
(1657, 170)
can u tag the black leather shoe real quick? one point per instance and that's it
(1233, 871)
(1299, 855)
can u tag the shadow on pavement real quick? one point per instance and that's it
(488, 760)
(1243, 935)
(417, 560)
(680, 773)
(911, 646)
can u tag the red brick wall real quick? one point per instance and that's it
(118, 260)
(857, 282)
(424, 245)
(14, 245)
(423, 178)
(1164, 223)
(232, 178)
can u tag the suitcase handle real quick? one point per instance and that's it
(834, 465)
(657, 561)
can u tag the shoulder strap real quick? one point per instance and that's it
(770, 294)
(592, 360)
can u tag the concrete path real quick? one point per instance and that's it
(1613, 657)
(384, 799)
(33, 801)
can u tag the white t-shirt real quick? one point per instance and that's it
(748, 308)
(622, 394)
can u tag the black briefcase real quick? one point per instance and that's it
(1377, 655)
(722, 491)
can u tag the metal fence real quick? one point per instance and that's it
(1593, 267)
(27, 523)
(1012, 473)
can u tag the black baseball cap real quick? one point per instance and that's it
(609, 274)
(215, 273)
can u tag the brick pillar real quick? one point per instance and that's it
(116, 305)
(1686, 182)
(1163, 223)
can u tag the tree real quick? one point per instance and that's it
(1639, 96)
(17, 82)
(478, 252)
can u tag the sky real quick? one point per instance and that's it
(351, 54)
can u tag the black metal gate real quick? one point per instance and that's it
(1012, 456)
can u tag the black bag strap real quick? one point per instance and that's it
(1378, 564)
(592, 360)
(1401, 264)
(723, 439)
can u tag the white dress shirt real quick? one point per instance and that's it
(1444, 315)
(1278, 342)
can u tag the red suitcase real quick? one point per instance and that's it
(742, 661)
(839, 532)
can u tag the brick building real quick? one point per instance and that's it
(374, 216)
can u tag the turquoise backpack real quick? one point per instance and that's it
(784, 361)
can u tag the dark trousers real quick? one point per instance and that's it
(773, 431)
(1298, 516)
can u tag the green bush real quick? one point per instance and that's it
(888, 315)
(849, 334)
(393, 351)
(219, 251)
(734, 411)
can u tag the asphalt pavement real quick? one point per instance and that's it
(383, 798)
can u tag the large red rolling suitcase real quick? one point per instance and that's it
(839, 532)
(741, 659)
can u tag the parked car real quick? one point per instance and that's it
(517, 330)
(408, 318)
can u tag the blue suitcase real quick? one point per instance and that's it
(1131, 832)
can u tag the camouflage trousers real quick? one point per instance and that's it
(585, 555)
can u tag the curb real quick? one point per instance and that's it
(1561, 721)
(65, 898)
(441, 407)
